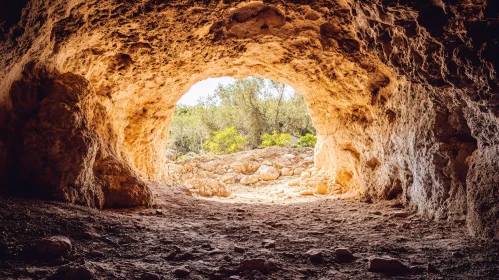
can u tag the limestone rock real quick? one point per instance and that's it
(343, 255)
(298, 171)
(239, 167)
(54, 247)
(387, 265)
(316, 256)
(268, 173)
(286, 172)
(149, 276)
(268, 243)
(171, 154)
(252, 166)
(230, 178)
(259, 264)
(305, 175)
(182, 272)
(249, 179)
(72, 273)
(288, 156)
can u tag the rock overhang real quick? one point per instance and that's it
(403, 106)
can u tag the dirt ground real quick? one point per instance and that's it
(224, 238)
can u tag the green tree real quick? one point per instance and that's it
(276, 139)
(225, 141)
(308, 140)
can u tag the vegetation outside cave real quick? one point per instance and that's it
(243, 115)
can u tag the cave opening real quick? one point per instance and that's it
(245, 140)
(403, 99)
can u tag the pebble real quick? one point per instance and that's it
(261, 265)
(149, 276)
(72, 273)
(239, 249)
(234, 277)
(268, 243)
(96, 254)
(54, 247)
(182, 272)
(387, 265)
(343, 255)
(315, 256)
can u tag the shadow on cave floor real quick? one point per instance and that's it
(190, 238)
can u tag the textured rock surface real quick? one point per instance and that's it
(404, 94)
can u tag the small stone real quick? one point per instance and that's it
(387, 265)
(171, 154)
(159, 212)
(261, 265)
(306, 193)
(268, 173)
(294, 183)
(239, 167)
(315, 256)
(149, 276)
(298, 171)
(343, 255)
(72, 273)
(239, 249)
(54, 247)
(288, 156)
(96, 254)
(286, 172)
(305, 175)
(249, 180)
(234, 277)
(432, 269)
(206, 246)
(268, 243)
(182, 272)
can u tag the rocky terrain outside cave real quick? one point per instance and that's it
(402, 181)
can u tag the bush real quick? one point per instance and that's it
(225, 141)
(276, 139)
(309, 140)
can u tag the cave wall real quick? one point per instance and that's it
(403, 94)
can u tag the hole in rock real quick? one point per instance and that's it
(249, 140)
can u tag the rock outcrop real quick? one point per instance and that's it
(403, 94)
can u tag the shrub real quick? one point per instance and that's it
(225, 141)
(276, 139)
(309, 140)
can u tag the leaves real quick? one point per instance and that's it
(225, 141)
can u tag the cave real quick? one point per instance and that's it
(404, 96)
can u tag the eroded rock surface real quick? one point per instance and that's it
(404, 94)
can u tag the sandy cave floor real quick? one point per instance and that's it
(201, 235)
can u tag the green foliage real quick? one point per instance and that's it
(276, 139)
(254, 107)
(187, 132)
(225, 141)
(309, 140)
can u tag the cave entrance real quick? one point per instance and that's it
(248, 140)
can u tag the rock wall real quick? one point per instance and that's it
(404, 94)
